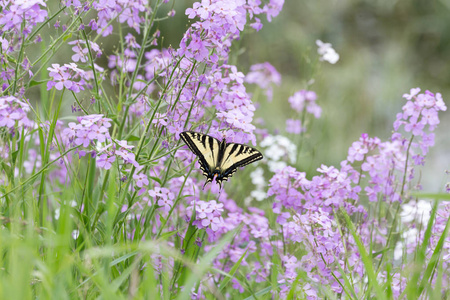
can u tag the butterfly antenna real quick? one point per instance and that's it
(220, 191)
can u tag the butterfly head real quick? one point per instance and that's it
(219, 179)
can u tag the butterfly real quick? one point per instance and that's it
(219, 159)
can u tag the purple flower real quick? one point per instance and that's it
(163, 196)
(27, 12)
(141, 179)
(131, 41)
(294, 126)
(8, 119)
(99, 133)
(104, 161)
(127, 156)
(213, 222)
(66, 77)
(166, 204)
(13, 110)
(264, 75)
(413, 92)
(71, 131)
(305, 100)
(204, 210)
(82, 138)
(414, 127)
(4, 43)
(357, 151)
(80, 52)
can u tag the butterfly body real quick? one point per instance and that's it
(219, 159)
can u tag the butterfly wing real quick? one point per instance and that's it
(207, 150)
(234, 157)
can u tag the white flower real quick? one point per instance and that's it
(326, 52)
(257, 177)
(279, 147)
(410, 237)
(398, 251)
(259, 195)
(276, 165)
(75, 234)
(419, 211)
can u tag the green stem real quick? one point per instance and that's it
(46, 158)
(394, 222)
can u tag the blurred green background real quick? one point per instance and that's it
(385, 47)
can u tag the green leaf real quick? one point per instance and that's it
(7, 169)
(439, 196)
(365, 257)
(67, 37)
(429, 272)
(36, 82)
(348, 288)
(412, 289)
(14, 156)
(233, 270)
(204, 265)
(133, 138)
(155, 179)
(11, 59)
(263, 292)
(123, 258)
(291, 294)
(166, 235)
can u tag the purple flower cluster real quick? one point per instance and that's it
(68, 76)
(125, 11)
(91, 132)
(91, 128)
(81, 50)
(396, 158)
(386, 168)
(305, 100)
(17, 20)
(265, 76)
(334, 189)
(253, 237)
(420, 112)
(207, 214)
(302, 102)
(16, 13)
(291, 269)
(163, 196)
(294, 126)
(107, 11)
(13, 113)
(218, 85)
(443, 214)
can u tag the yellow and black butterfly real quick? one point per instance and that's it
(217, 158)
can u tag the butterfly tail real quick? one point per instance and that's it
(208, 180)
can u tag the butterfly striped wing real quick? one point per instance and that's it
(236, 156)
(219, 158)
(207, 150)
